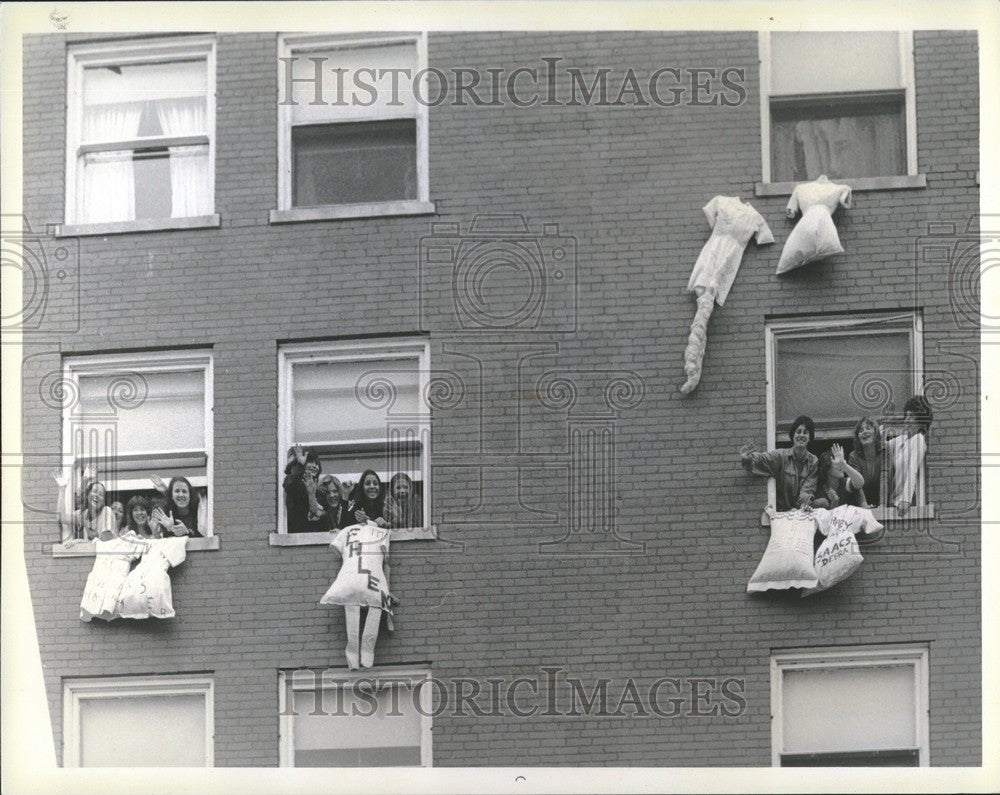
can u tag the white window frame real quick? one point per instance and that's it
(75, 691)
(308, 680)
(906, 78)
(860, 657)
(300, 46)
(830, 326)
(159, 362)
(121, 53)
(350, 351)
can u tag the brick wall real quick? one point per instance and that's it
(628, 184)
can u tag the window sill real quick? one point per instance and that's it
(884, 513)
(912, 182)
(344, 211)
(127, 227)
(86, 550)
(324, 539)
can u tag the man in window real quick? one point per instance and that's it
(794, 469)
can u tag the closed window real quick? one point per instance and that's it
(139, 721)
(353, 131)
(839, 104)
(330, 720)
(139, 417)
(860, 707)
(140, 140)
(359, 407)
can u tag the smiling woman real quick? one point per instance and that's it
(794, 469)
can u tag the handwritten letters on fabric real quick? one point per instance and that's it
(114, 591)
(361, 582)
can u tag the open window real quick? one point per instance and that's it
(139, 721)
(852, 707)
(141, 134)
(821, 114)
(139, 416)
(352, 137)
(330, 719)
(358, 406)
(838, 369)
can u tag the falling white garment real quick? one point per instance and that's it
(815, 236)
(107, 578)
(147, 592)
(733, 223)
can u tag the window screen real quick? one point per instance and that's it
(143, 731)
(335, 737)
(837, 379)
(150, 412)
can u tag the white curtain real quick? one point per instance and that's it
(189, 184)
(108, 177)
(848, 146)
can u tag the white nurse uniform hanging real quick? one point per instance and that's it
(733, 223)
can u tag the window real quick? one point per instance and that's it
(839, 368)
(857, 707)
(821, 113)
(352, 127)
(106, 722)
(335, 720)
(141, 132)
(359, 406)
(139, 416)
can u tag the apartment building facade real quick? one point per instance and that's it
(464, 256)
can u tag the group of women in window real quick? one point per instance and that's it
(317, 503)
(177, 509)
(876, 464)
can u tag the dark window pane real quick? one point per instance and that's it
(840, 136)
(907, 758)
(354, 162)
(358, 757)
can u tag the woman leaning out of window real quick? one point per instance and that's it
(186, 513)
(367, 500)
(402, 504)
(137, 516)
(304, 512)
(794, 468)
(866, 457)
(837, 482)
(94, 519)
(906, 453)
